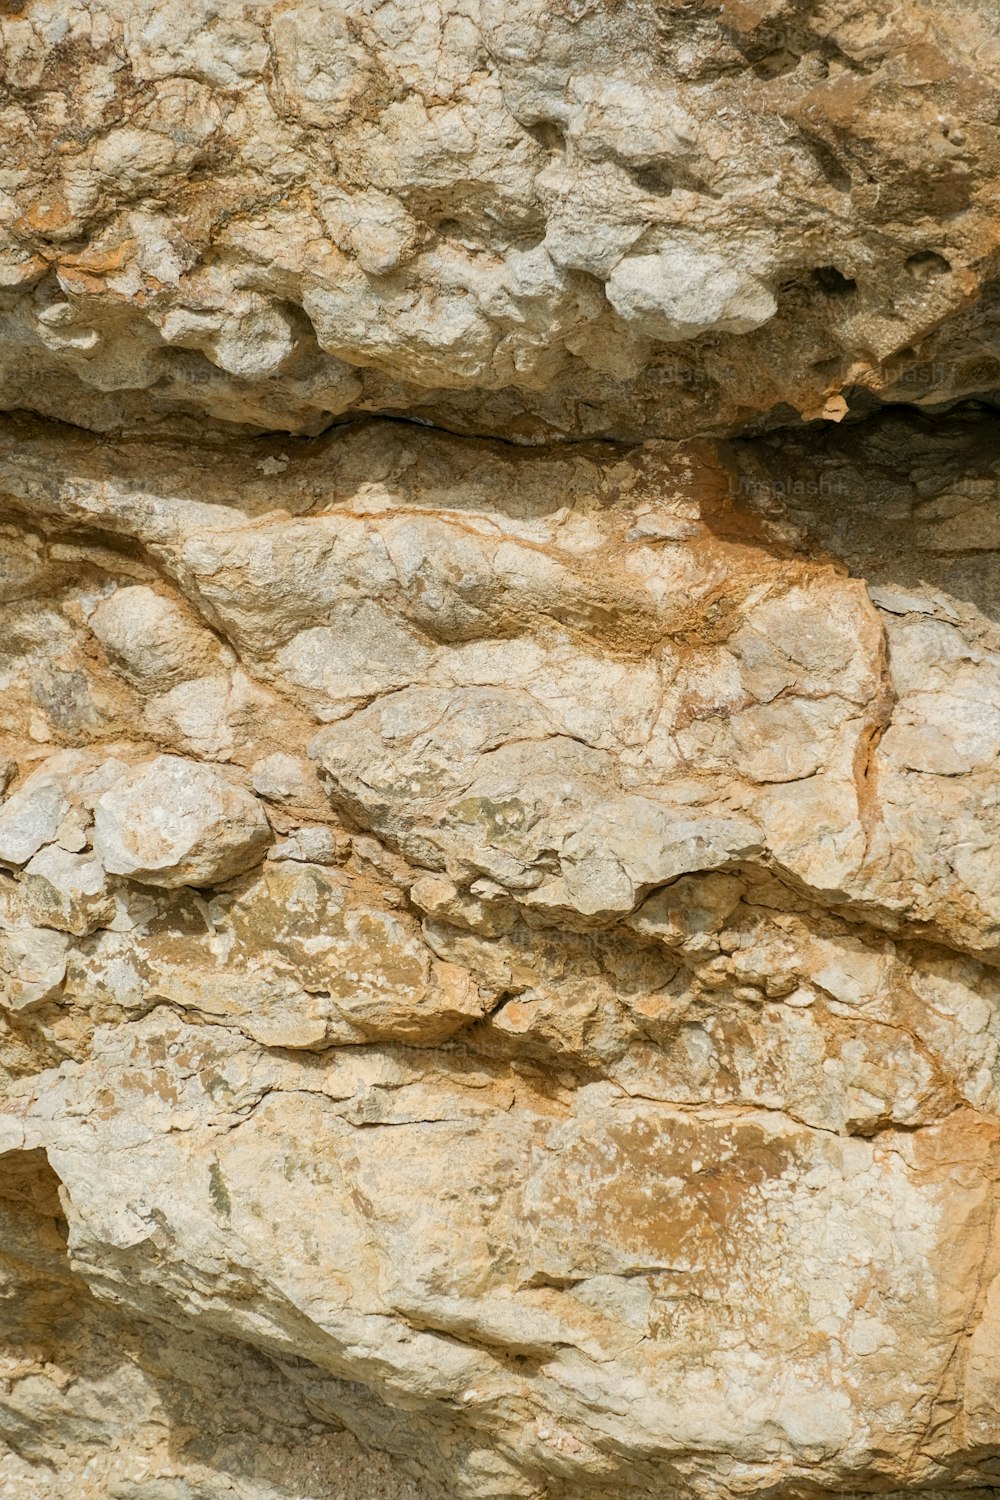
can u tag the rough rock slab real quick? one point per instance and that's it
(566, 1051)
(590, 218)
(499, 925)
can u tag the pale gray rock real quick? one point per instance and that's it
(314, 843)
(30, 818)
(174, 822)
(636, 844)
(285, 778)
(32, 966)
(153, 640)
(55, 804)
(680, 292)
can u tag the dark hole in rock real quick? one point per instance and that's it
(833, 282)
(927, 263)
(655, 178)
(549, 134)
(777, 63)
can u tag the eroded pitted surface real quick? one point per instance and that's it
(503, 945)
(536, 219)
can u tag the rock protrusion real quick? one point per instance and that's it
(174, 822)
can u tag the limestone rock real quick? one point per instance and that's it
(32, 966)
(68, 891)
(499, 935)
(174, 822)
(192, 691)
(30, 819)
(623, 220)
(584, 1077)
(298, 956)
(54, 805)
(154, 642)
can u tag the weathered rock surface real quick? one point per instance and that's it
(589, 217)
(499, 954)
(499, 926)
(174, 822)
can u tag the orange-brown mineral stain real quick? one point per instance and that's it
(668, 1192)
(48, 215)
(85, 274)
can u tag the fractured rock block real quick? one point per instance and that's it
(175, 822)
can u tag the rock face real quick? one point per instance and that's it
(499, 936)
(174, 822)
(590, 217)
(500, 953)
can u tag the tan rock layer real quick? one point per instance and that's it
(498, 951)
(536, 219)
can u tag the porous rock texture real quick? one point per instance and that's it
(618, 218)
(499, 925)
